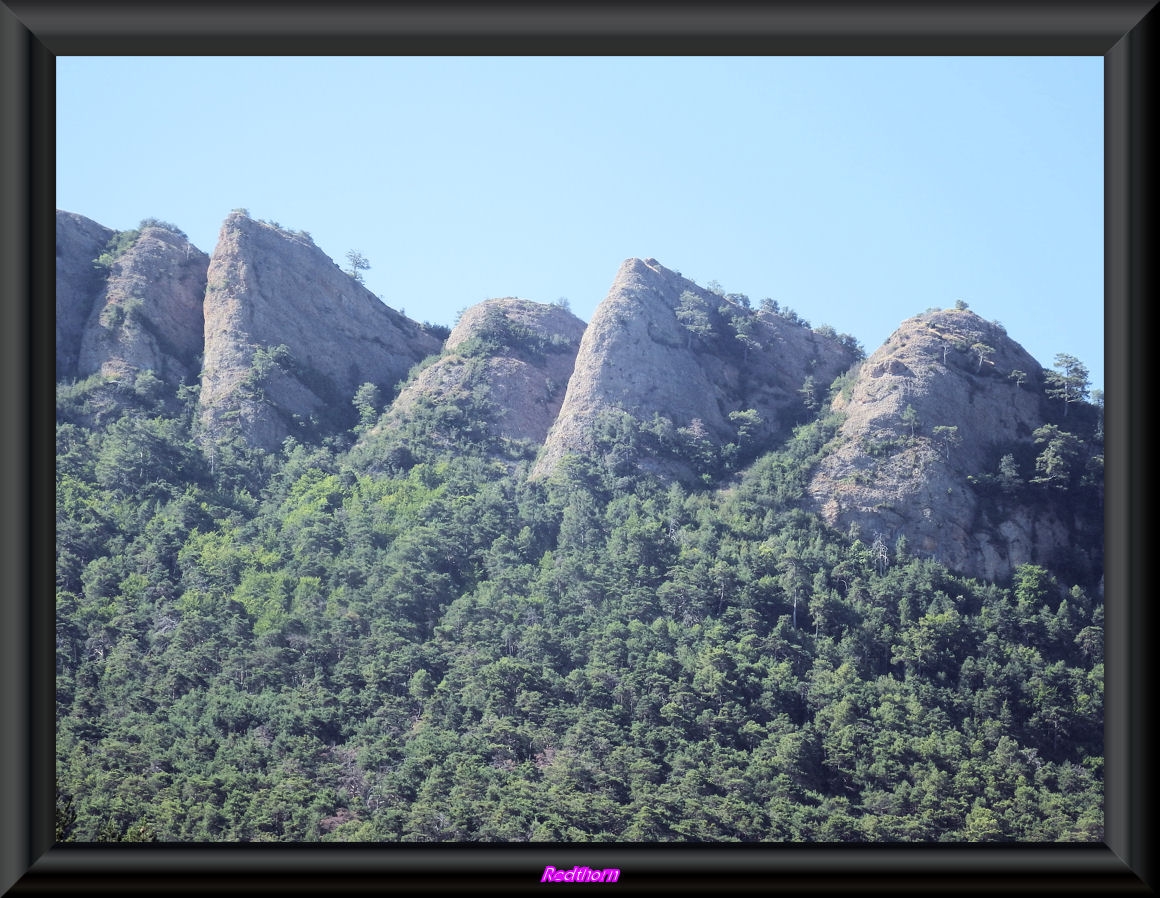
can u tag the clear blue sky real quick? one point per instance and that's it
(859, 191)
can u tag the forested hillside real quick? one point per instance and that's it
(289, 646)
(400, 630)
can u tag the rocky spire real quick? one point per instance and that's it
(289, 336)
(659, 345)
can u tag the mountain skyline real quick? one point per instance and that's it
(860, 190)
(699, 383)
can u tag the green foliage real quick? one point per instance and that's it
(742, 327)
(412, 641)
(693, 313)
(158, 223)
(145, 457)
(1057, 462)
(358, 264)
(982, 352)
(748, 423)
(118, 244)
(367, 401)
(843, 385)
(947, 438)
(148, 386)
(809, 393)
(910, 419)
(439, 331)
(1009, 479)
(1069, 382)
(850, 342)
(497, 334)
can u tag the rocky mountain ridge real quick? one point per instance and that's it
(943, 429)
(278, 334)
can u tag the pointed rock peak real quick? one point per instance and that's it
(239, 222)
(644, 266)
(639, 267)
(646, 273)
(242, 218)
(290, 337)
(162, 230)
(696, 371)
(960, 324)
(940, 341)
(65, 219)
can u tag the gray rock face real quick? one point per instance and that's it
(519, 354)
(79, 241)
(287, 338)
(649, 352)
(901, 474)
(268, 288)
(148, 317)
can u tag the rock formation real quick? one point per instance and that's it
(659, 345)
(940, 402)
(289, 337)
(518, 354)
(937, 441)
(79, 241)
(148, 316)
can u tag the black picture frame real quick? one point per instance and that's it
(34, 32)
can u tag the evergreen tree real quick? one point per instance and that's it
(1069, 382)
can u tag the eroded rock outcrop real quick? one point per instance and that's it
(937, 441)
(933, 409)
(148, 315)
(672, 354)
(289, 337)
(79, 282)
(512, 357)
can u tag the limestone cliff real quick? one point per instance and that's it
(661, 348)
(289, 337)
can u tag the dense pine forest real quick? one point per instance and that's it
(396, 634)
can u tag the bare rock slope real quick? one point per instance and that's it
(939, 402)
(289, 336)
(659, 345)
(148, 314)
(514, 355)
